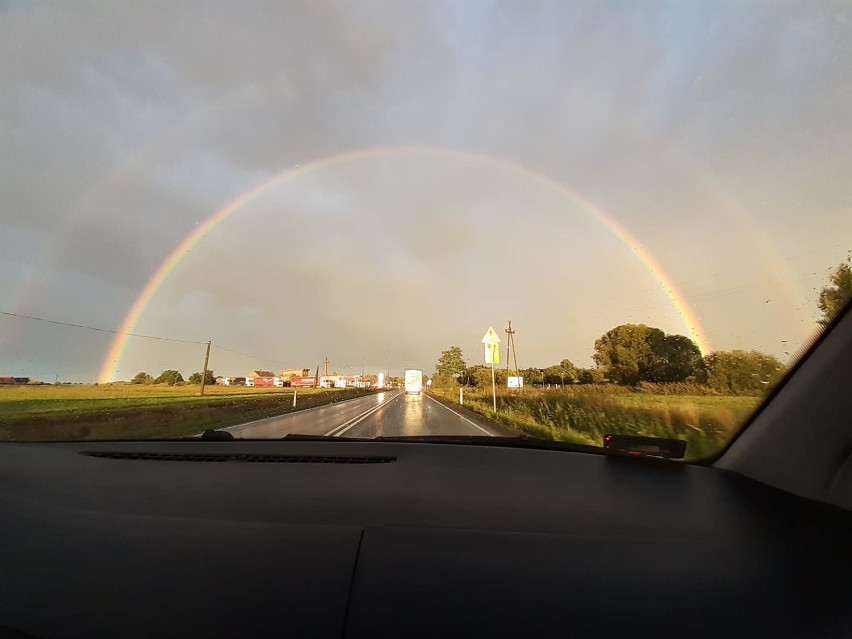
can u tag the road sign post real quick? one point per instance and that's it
(493, 387)
(491, 342)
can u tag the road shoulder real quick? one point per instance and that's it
(495, 428)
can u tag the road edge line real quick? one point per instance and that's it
(471, 422)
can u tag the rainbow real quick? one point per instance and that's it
(690, 321)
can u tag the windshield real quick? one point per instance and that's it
(565, 221)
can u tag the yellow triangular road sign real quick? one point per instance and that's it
(491, 341)
(491, 336)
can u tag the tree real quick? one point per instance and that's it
(195, 378)
(532, 376)
(740, 372)
(471, 376)
(568, 370)
(590, 376)
(624, 353)
(556, 375)
(170, 377)
(633, 353)
(834, 297)
(142, 378)
(450, 367)
(675, 359)
(480, 375)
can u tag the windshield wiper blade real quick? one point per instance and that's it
(211, 434)
(521, 441)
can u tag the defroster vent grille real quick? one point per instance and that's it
(250, 458)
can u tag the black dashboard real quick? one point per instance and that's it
(381, 539)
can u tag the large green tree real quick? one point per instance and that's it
(624, 353)
(633, 353)
(834, 297)
(170, 377)
(142, 378)
(742, 372)
(450, 367)
(675, 359)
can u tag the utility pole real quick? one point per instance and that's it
(204, 373)
(325, 367)
(510, 349)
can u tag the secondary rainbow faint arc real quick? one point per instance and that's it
(690, 321)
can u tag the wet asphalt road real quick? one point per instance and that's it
(390, 414)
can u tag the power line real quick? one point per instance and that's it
(100, 330)
(113, 332)
(262, 359)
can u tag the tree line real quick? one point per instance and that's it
(172, 378)
(630, 354)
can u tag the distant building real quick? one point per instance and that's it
(287, 373)
(344, 381)
(260, 374)
(8, 379)
(332, 381)
(262, 378)
(303, 382)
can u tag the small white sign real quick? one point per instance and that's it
(516, 382)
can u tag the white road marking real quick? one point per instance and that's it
(457, 414)
(301, 411)
(337, 431)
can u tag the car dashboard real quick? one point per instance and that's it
(393, 539)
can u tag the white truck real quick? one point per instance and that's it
(413, 382)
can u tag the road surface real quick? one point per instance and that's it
(389, 414)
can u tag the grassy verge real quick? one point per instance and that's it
(584, 415)
(37, 413)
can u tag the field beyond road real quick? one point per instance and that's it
(584, 414)
(131, 411)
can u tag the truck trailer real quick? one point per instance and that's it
(413, 382)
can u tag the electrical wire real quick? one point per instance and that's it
(155, 337)
(100, 330)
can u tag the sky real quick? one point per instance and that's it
(441, 167)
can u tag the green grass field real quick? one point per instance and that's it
(584, 414)
(129, 411)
